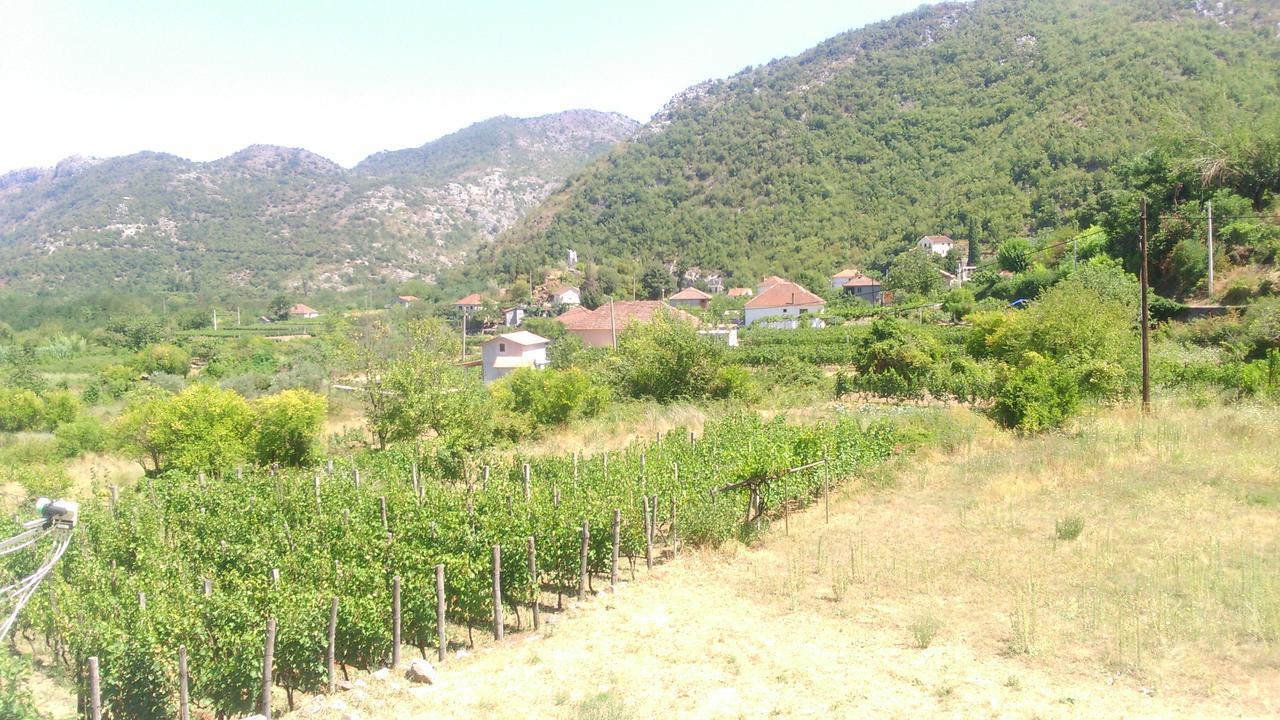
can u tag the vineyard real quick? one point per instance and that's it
(204, 563)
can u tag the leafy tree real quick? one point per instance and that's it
(913, 272)
(1014, 255)
(202, 429)
(287, 426)
(278, 308)
(656, 282)
(958, 302)
(667, 360)
(1037, 395)
(164, 358)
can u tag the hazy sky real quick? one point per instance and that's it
(345, 79)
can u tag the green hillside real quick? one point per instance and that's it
(987, 120)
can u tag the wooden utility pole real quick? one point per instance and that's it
(464, 332)
(1210, 207)
(1146, 318)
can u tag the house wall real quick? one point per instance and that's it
(689, 303)
(870, 293)
(569, 297)
(940, 249)
(492, 350)
(754, 315)
(595, 338)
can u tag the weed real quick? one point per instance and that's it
(1013, 683)
(604, 706)
(1069, 527)
(840, 581)
(924, 628)
(1023, 620)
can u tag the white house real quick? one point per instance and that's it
(512, 317)
(470, 303)
(727, 334)
(303, 311)
(510, 351)
(784, 305)
(937, 244)
(567, 296)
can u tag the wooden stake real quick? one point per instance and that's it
(826, 491)
(142, 601)
(331, 649)
(184, 712)
(613, 565)
(317, 484)
(269, 650)
(115, 498)
(395, 622)
(442, 643)
(648, 535)
(208, 587)
(528, 489)
(95, 690)
(497, 592)
(533, 583)
(583, 566)
(382, 505)
(675, 541)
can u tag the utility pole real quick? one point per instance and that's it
(215, 319)
(1210, 206)
(238, 323)
(1075, 253)
(1146, 320)
(464, 332)
(613, 326)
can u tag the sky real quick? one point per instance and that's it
(346, 79)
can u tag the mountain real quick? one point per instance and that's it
(268, 215)
(983, 120)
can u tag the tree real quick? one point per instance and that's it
(656, 282)
(913, 272)
(1014, 255)
(519, 291)
(667, 360)
(287, 426)
(958, 303)
(279, 307)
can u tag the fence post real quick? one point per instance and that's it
(826, 491)
(95, 690)
(675, 540)
(528, 489)
(613, 566)
(184, 713)
(583, 567)
(395, 622)
(497, 592)
(208, 587)
(331, 648)
(268, 654)
(115, 498)
(533, 583)
(648, 535)
(382, 506)
(442, 643)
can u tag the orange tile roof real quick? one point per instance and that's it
(301, 309)
(784, 294)
(624, 313)
(472, 299)
(771, 280)
(569, 315)
(690, 293)
(739, 292)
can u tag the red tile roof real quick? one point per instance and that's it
(771, 280)
(472, 299)
(853, 278)
(569, 315)
(301, 309)
(625, 312)
(690, 293)
(936, 239)
(784, 294)
(739, 292)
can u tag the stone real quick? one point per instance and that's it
(380, 674)
(421, 671)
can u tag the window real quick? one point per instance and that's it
(502, 347)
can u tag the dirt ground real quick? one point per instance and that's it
(941, 596)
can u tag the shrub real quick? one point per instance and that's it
(551, 397)
(667, 360)
(732, 381)
(1039, 395)
(20, 410)
(16, 701)
(287, 426)
(82, 435)
(164, 358)
(1069, 527)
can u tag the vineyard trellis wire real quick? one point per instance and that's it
(215, 559)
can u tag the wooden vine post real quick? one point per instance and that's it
(648, 535)
(442, 644)
(268, 654)
(583, 566)
(95, 690)
(331, 647)
(395, 622)
(613, 564)
(184, 711)
(497, 592)
(533, 584)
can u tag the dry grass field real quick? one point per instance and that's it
(1127, 568)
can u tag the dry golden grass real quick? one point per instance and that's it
(1167, 604)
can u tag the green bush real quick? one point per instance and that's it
(732, 381)
(1069, 527)
(164, 358)
(85, 434)
(551, 397)
(1039, 395)
(667, 360)
(20, 410)
(287, 427)
(16, 701)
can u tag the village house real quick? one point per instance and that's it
(513, 316)
(303, 311)
(470, 303)
(784, 305)
(567, 295)
(600, 327)
(511, 351)
(852, 282)
(690, 297)
(405, 301)
(768, 282)
(937, 244)
(740, 292)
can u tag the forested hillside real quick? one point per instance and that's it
(268, 216)
(989, 120)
